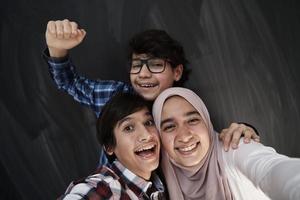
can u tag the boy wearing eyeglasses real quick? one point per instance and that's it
(157, 62)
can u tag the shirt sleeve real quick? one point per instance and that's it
(92, 93)
(93, 187)
(275, 174)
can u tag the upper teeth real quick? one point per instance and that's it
(146, 85)
(146, 148)
(188, 148)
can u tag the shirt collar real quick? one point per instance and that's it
(130, 178)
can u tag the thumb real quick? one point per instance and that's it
(81, 33)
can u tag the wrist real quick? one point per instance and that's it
(57, 53)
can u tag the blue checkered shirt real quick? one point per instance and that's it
(92, 93)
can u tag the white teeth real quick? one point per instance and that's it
(146, 148)
(189, 148)
(147, 85)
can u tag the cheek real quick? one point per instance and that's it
(165, 80)
(132, 77)
(155, 135)
(124, 144)
(168, 143)
(201, 131)
(205, 139)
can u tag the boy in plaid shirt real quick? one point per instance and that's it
(127, 132)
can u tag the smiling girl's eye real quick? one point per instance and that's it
(194, 120)
(168, 127)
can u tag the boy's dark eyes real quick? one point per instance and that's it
(156, 64)
(131, 127)
(136, 65)
(128, 128)
(149, 122)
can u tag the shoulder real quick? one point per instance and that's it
(252, 159)
(251, 148)
(250, 154)
(102, 184)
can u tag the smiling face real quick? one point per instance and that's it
(150, 85)
(184, 135)
(137, 143)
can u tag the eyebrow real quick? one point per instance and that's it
(123, 120)
(138, 59)
(186, 114)
(120, 122)
(192, 113)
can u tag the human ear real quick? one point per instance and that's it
(177, 71)
(109, 150)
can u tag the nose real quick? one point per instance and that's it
(185, 134)
(144, 73)
(145, 135)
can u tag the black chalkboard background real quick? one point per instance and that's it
(244, 56)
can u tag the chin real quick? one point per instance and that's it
(149, 97)
(190, 163)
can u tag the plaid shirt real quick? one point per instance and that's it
(116, 182)
(88, 92)
(93, 93)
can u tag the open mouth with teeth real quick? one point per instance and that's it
(188, 149)
(146, 151)
(147, 85)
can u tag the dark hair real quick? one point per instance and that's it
(118, 107)
(159, 44)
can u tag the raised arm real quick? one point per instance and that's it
(62, 36)
(276, 175)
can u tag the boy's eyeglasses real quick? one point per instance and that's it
(154, 65)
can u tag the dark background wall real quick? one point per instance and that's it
(244, 56)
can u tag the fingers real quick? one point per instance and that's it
(74, 29)
(64, 29)
(51, 28)
(236, 135)
(67, 28)
(249, 134)
(225, 136)
(231, 136)
(59, 29)
(81, 33)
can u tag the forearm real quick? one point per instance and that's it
(276, 175)
(61, 70)
(65, 77)
(283, 180)
(93, 93)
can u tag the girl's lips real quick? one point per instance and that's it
(188, 149)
